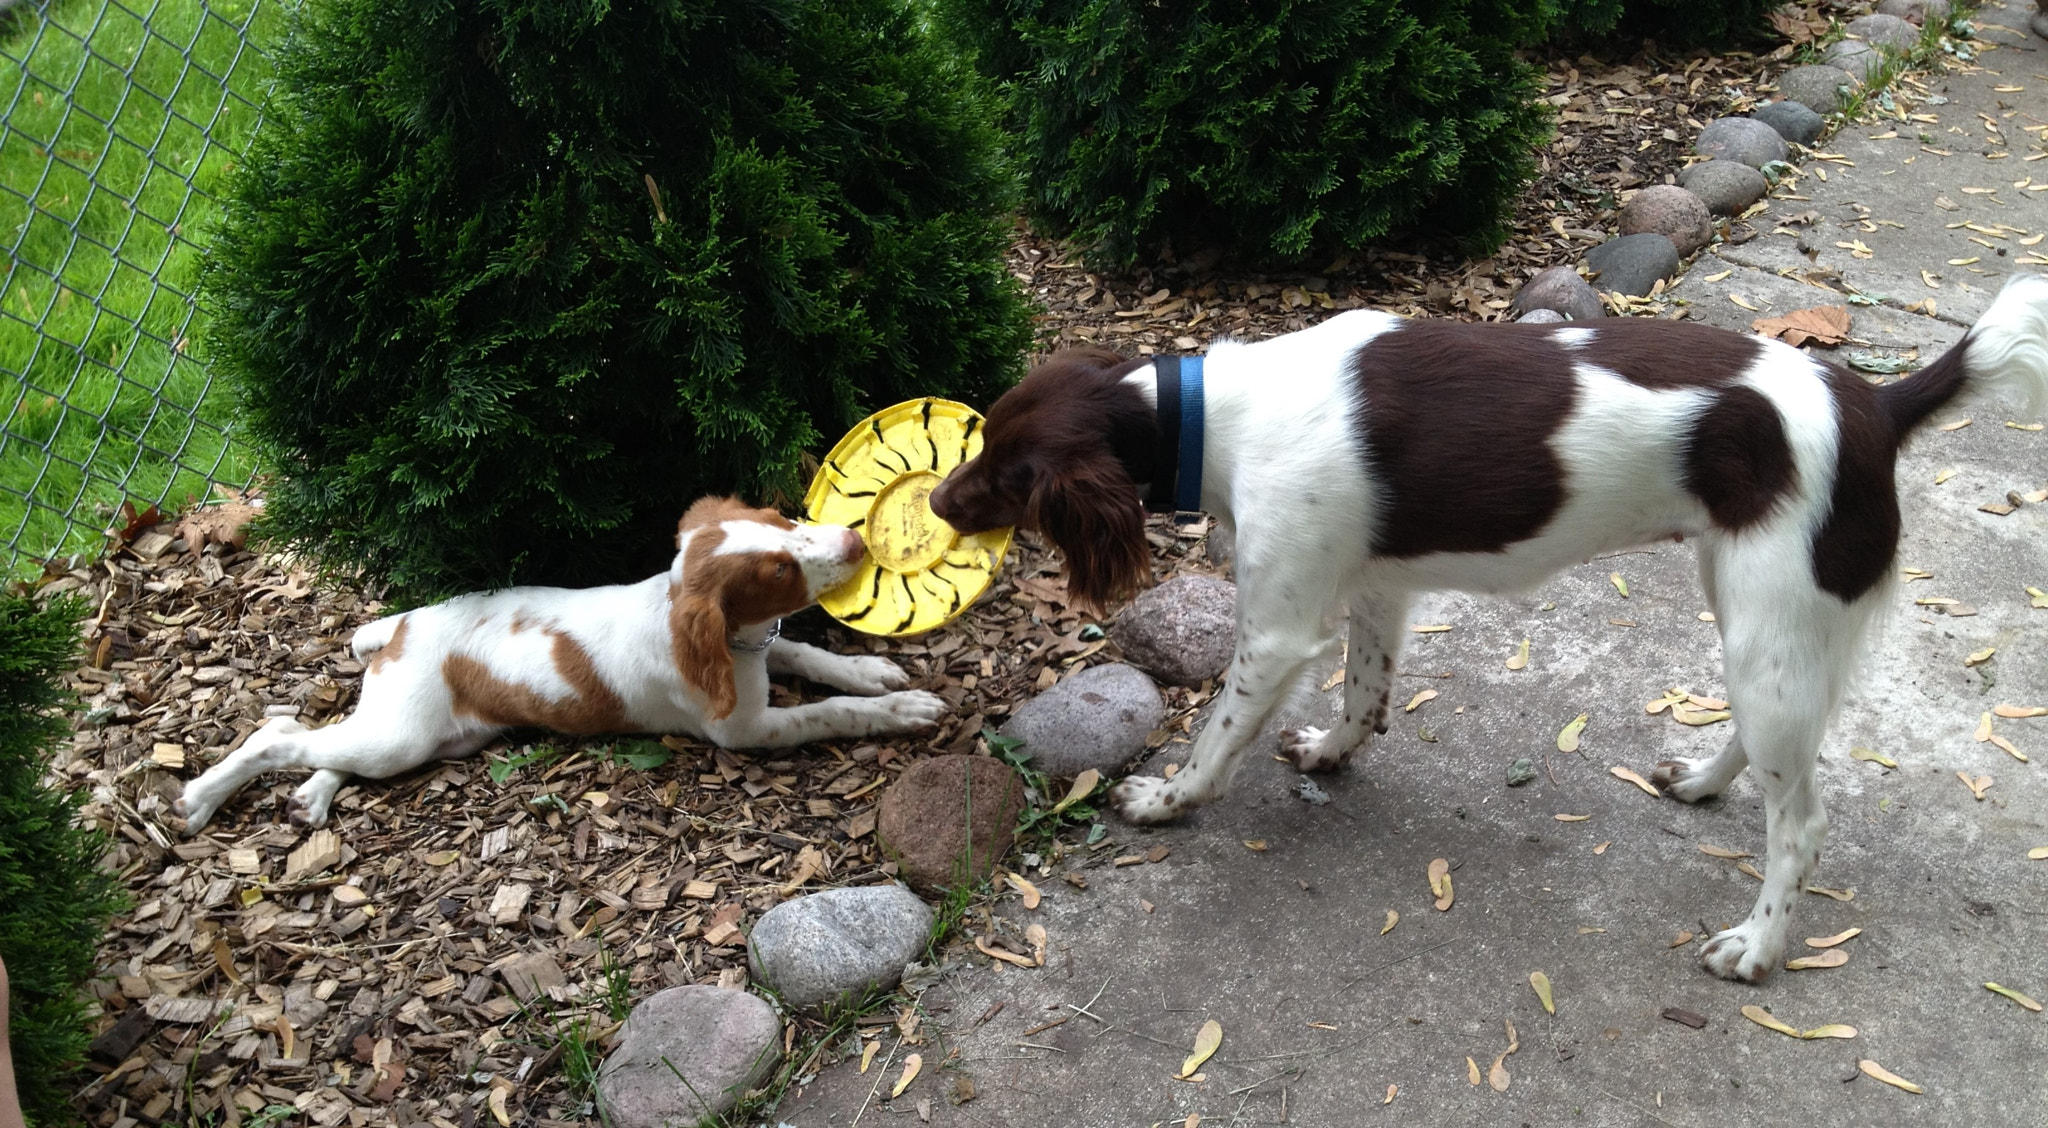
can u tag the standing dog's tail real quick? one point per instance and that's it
(2005, 354)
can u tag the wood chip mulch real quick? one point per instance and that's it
(406, 965)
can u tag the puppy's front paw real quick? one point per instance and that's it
(195, 809)
(1146, 800)
(1311, 749)
(1683, 780)
(911, 709)
(870, 676)
(1743, 953)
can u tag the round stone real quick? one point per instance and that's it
(1793, 121)
(1816, 87)
(1540, 316)
(1181, 632)
(1881, 30)
(686, 1054)
(948, 820)
(1099, 719)
(1726, 187)
(1560, 290)
(835, 948)
(1672, 212)
(1740, 139)
(1633, 264)
(1853, 57)
(1916, 11)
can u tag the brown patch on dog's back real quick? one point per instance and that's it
(1666, 356)
(1856, 543)
(1737, 459)
(591, 707)
(391, 651)
(1456, 423)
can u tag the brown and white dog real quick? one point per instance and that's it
(1369, 458)
(686, 651)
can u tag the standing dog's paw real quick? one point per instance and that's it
(195, 810)
(870, 676)
(911, 709)
(1311, 749)
(1683, 780)
(1145, 800)
(1742, 953)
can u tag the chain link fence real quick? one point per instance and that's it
(117, 119)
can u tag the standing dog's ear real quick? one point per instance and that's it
(696, 627)
(1091, 510)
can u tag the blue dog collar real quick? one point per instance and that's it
(1177, 463)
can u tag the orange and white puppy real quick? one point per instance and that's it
(686, 651)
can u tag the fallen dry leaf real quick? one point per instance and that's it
(1207, 1039)
(1541, 983)
(1746, 868)
(2037, 854)
(1983, 732)
(1665, 702)
(1440, 884)
(1832, 1030)
(2021, 712)
(1520, 658)
(1430, 628)
(1084, 785)
(1602, 848)
(1978, 786)
(1869, 756)
(1391, 1090)
(1571, 818)
(1887, 1076)
(1763, 1018)
(1699, 717)
(1471, 1071)
(2015, 996)
(1625, 774)
(2010, 748)
(1831, 941)
(867, 1056)
(1029, 891)
(911, 1065)
(2038, 599)
(1833, 957)
(1978, 658)
(1819, 325)
(497, 1103)
(1832, 894)
(1393, 918)
(1620, 584)
(1568, 737)
(1256, 845)
(1497, 1077)
(1738, 299)
(982, 945)
(1417, 700)
(1941, 476)
(1681, 940)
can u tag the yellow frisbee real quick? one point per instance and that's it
(918, 573)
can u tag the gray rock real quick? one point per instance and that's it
(1916, 11)
(1632, 264)
(832, 948)
(723, 1042)
(1098, 718)
(1853, 57)
(1672, 212)
(1540, 316)
(1882, 30)
(1726, 187)
(1740, 139)
(2039, 23)
(1818, 88)
(1792, 120)
(1182, 631)
(1559, 289)
(1521, 771)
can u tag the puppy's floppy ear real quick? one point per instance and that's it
(696, 628)
(1091, 510)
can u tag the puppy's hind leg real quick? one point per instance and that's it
(268, 748)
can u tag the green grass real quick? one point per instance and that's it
(117, 120)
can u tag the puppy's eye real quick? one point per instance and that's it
(781, 569)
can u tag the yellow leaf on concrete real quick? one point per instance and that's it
(1571, 818)
(1869, 756)
(1723, 852)
(1680, 940)
(1832, 1030)
(982, 945)
(2010, 748)
(2037, 598)
(1941, 476)
(911, 1065)
(1084, 785)
(2021, 712)
(1887, 1076)
(1833, 957)
(867, 1056)
(1035, 936)
(1738, 299)
(1980, 657)
(2015, 996)
(1393, 918)
(1746, 868)
(1983, 732)
(1978, 786)
(1472, 1071)
(1029, 891)
(1620, 584)
(1833, 894)
(2038, 853)
(1391, 1090)
(1430, 628)
(1439, 871)
(1255, 845)
(1497, 1077)
(1698, 718)
(1417, 700)
(1625, 774)
(1763, 1018)
(1207, 1039)
(1568, 737)
(1520, 658)
(1831, 941)
(1541, 983)
(1665, 702)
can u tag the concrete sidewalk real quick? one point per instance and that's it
(1322, 1013)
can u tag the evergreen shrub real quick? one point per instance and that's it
(1273, 129)
(504, 284)
(54, 898)
(1672, 23)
